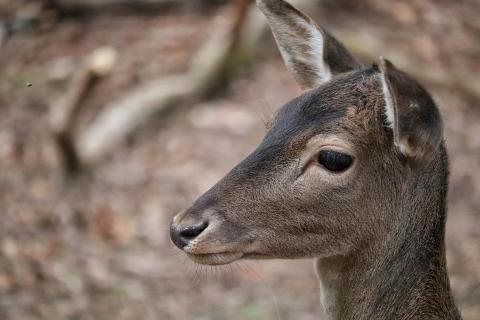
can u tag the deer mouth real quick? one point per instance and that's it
(214, 259)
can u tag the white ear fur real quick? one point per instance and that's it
(389, 108)
(317, 45)
(300, 41)
(314, 57)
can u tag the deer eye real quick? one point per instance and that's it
(334, 161)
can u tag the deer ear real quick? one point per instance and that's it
(311, 54)
(411, 113)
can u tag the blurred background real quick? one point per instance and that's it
(115, 115)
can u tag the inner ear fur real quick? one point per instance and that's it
(411, 113)
(310, 53)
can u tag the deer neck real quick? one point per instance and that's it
(397, 277)
(393, 284)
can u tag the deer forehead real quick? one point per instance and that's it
(341, 109)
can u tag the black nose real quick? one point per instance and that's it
(182, 235)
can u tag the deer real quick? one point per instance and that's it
(352, 173)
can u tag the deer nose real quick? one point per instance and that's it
(183, 235)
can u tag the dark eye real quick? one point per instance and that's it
(334, 161)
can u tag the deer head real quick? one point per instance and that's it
(343, 166)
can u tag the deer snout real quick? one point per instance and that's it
(182, 235)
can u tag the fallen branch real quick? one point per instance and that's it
(64, 115)
(207, 69)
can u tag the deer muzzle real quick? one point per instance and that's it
(199, 238)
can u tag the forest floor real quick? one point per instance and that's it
(99, 248)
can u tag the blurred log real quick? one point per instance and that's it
(123, 116)
(207, 69)
(64, 115)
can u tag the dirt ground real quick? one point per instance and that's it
(99, 248)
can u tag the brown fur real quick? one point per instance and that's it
(377, 230)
